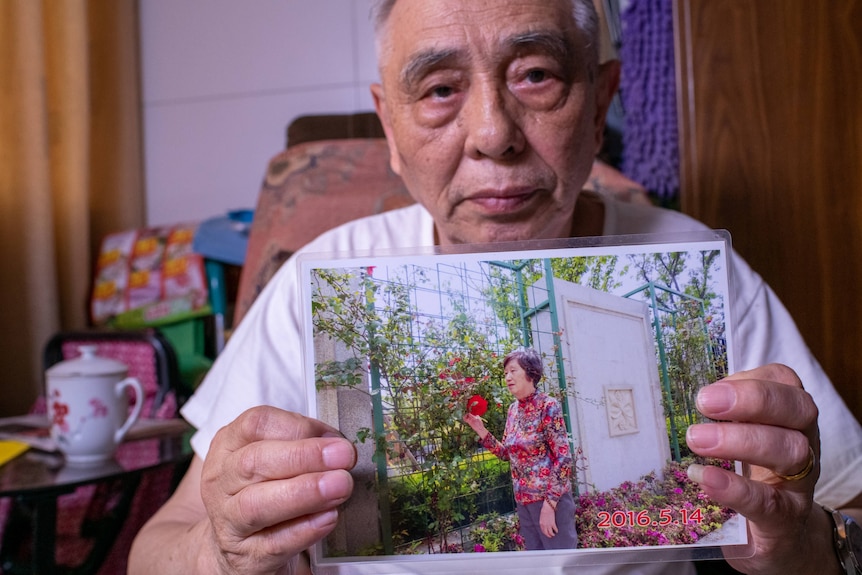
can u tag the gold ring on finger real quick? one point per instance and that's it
(804, 473)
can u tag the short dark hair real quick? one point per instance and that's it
(529, 360)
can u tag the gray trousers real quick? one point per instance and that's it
(534, 539)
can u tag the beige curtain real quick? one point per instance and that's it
(70, 168)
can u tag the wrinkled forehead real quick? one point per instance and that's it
(407, 28)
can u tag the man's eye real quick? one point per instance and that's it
(442, 91)
(536, 76)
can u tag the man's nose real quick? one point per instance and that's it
(492, 126)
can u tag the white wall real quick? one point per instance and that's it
(221, 81)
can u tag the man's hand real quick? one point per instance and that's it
(770, 422)
(271, 485)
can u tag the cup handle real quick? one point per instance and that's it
(119, 388)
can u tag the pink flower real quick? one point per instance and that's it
(99, 408)
(518, 539)
(478, 548)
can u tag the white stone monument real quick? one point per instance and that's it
(614, 396)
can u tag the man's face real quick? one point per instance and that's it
(493, 111)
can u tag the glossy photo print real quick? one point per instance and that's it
(528, 402)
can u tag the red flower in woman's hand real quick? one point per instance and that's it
(477, 405)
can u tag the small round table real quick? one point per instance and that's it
(35, 480)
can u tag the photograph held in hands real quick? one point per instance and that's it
(532, 399)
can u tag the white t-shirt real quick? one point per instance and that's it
(262, 363)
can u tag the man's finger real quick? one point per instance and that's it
(269, 460)
(759, 401)
(753, 499)
(270, 504)
(266, 422)
(781, 450)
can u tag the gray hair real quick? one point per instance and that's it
(529, 360)
(584, 11)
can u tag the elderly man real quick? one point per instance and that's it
(494, 110)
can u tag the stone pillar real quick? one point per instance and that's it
(349, 410)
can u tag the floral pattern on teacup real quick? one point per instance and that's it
(99, 408)
(60, 411)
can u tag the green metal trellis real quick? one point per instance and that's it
(651, 288)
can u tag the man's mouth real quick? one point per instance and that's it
(501, 201)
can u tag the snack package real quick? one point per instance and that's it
(112, 276)
(149, 276)
(145, 277)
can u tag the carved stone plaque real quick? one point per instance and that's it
(622, 416)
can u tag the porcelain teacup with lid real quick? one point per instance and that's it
(88, 406)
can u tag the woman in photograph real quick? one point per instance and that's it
(536, 445)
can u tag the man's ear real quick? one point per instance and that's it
(382, 110)
(606, 86)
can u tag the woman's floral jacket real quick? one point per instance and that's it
(536, 445)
